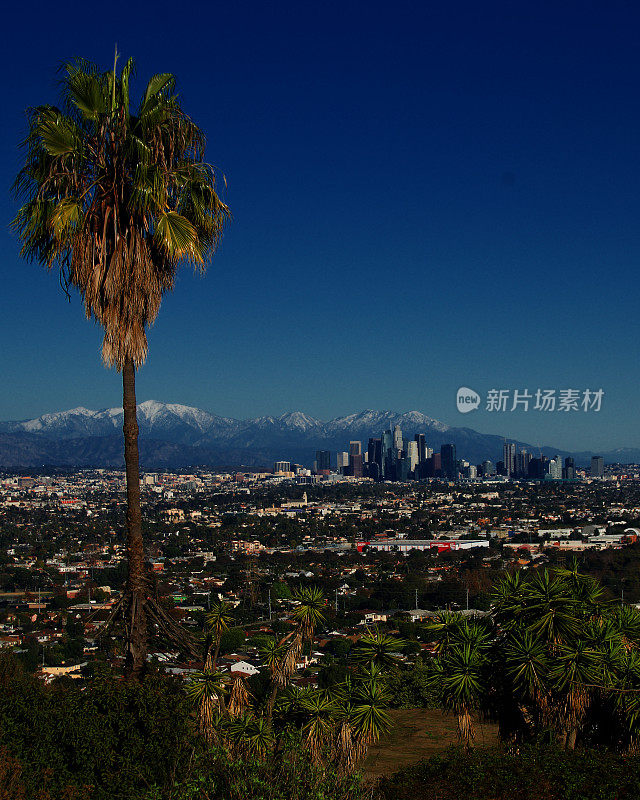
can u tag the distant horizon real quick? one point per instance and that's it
(468, 422)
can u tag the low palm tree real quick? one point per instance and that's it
(370, 700)
(282, 657)
(206, 691)
(319, 710)
(461, 680)
(239, 697)
(378, 648)
(272, 653)
(573, 674)
(216, 624)
(116, 200)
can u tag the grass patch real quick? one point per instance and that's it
(419, 733)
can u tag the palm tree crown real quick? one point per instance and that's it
(117, 200)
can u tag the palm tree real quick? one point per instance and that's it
(460, 677)
(217, 622)
(308, 614)
(272, 653)
(370, 719)
(377, 647)
(239, 698)
(574, 672)
(445, 628)
(282, 657)
(206, 690)
(117, 201)
(320, 711)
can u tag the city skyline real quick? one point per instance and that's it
(422, 200)
(81, 421)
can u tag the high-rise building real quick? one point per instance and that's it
(488, 468)
(538, 467)
(397, 438)
(597, 467)
(323, 461)
(509, 458)
(412, 455)
(342, 461)
(553, 469)
(569, 469)
(387, 455)
(355, 465)
(522, 464)
(421, 441)
(282, 466)
(448, 461)
(402, 469)
(355, 448)
(374, 451)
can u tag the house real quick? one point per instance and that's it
(244, 668)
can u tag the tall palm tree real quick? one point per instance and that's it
(282, 657)
(272, 653)
(117, 200)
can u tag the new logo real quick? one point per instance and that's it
(467, 400)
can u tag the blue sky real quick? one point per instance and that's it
(425, 195)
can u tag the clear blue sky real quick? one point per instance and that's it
(425, 195)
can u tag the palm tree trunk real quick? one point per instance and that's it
(272, 701)
(216, 652)
(135, 619)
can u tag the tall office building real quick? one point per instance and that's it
(397, 438)
(282, 466)
(569, 469)
(448, 461)
(355, 448)
(509, 458)
(374, 451)
(355, 466)
(323, 461)
(412, 455)
(597, 467)
(421, 441)
(387, 452)
(402, 469)
(553, 468)
(522, 464)
(342, 461)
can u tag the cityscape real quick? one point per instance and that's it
(392, 458)
(319, 444)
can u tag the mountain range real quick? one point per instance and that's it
(174, 436)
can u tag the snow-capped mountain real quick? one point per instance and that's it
(385, 420)
(174, 435)
(170, 421)
(188, 425)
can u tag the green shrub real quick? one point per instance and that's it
(529, 773)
